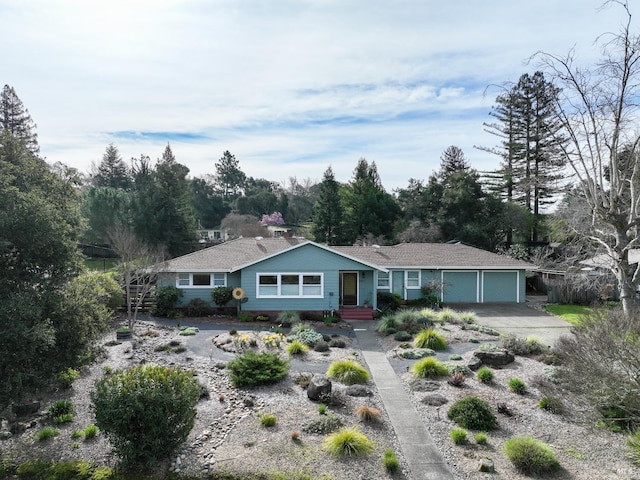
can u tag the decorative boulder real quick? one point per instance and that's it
(495, 358)
(435, 400)
(486, 466)
(26, 409)
(358, 391)
(319, 387)
(474, 364)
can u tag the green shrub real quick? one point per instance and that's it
(67, 377)
(348, 442)
(301, 327)
(523, 346)
(429, 338)
(61, 407)
(455, 357)
(321, 346)
(337, 343)
(288, 318)
(222, 295)
(633, 441)
(268, 420)
(551, 404)
(429, 367)
(517, 385)
(454, 368)
(388, 322)
(468, 317)
(252, 369)
(90, 431)
(322, 409)
(417, 353)
(64, 418)
(473, 413)
(447, 315)
(402, 336)
(77, 434)
(146, 412)
(390, 461)
(388, 302)
(62, 470)
(308, 337)
(481, 438)
(47, 433)
(531, 456)
(369, 414)
(427, 316)
(459, 436)
(484, 375)
(189, 331)
(166, 300)
(197, 308)
(323, 425)
(348, 371)
(297, 348)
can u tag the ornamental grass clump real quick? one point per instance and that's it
(485, 375)
(297, 348)
(429, 367)
(348, 371)
(348, 442)
(268, 420)
(369, 414)
(459, 436)
(517, 385)
(468, 317)
(473, 413)
(47, 432)
(530, 456)
(429, 338)
(387, 323)
(390, 461)
(447, 315)
(252, 369)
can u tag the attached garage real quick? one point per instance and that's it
(500, 286)
(460, 286)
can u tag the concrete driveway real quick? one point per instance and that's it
(519, 319)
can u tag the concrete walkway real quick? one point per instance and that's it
(424, 459)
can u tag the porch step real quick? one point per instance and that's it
(356, 313)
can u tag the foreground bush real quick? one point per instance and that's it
(523, 346)
(531, 456)
(472, 413)
(252, 369)
(348, 442)
(166, 300)
(429, 367)
(485, 375)
(146, 412)
(348, 371)
(429, 338)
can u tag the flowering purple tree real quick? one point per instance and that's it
(274, 219)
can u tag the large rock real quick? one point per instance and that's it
(26, 409)
(358, 391)
(494, 358)
(319, 387)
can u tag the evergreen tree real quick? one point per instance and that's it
(452, 161)
(112, 171)
(328, 212)
(230, 180)
(208, 206)
(16, 121)
(528, 127)
(369, 209)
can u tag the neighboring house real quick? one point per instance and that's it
(212, 235)
(297, 274)
(279, 231)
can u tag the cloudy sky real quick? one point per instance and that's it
(288, 87)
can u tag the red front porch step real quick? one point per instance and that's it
(357, 313)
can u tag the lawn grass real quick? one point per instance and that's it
(571, 313)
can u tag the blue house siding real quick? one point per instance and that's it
(189, 293)
(306, 259)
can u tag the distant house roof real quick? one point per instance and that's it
(433, 255)
(242, 252)
(604, 260)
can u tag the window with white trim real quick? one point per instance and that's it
(383, 280)
(413, 278)
(291, 285)
(200, 280)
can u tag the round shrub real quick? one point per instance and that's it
(551, 404)
(517, 385)
(348, 371)
(485, 375)
(402, 336)
(268, 420)
(429, 338)
(473, 413)
(321, 346)
(459, 436)
(309, 337)
(146, 412)
(221, 295)
(390, 461)
(481, 438)
(252, 369)
(288, 318)
(166, 300)
(531, 456)
(348, 442)
(197, 308)
(429, 367)
(337, 343)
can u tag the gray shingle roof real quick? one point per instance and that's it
(231, 255)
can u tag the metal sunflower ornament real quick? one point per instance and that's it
(238, 294)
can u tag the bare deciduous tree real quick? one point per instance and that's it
(597, 109)
(139, 265)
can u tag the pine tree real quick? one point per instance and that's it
(230, 180)
(16, 121)
(112, 171)
(452, 161)
(328, 211)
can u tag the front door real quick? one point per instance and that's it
(349, 288)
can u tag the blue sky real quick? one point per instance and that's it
(288, 87)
